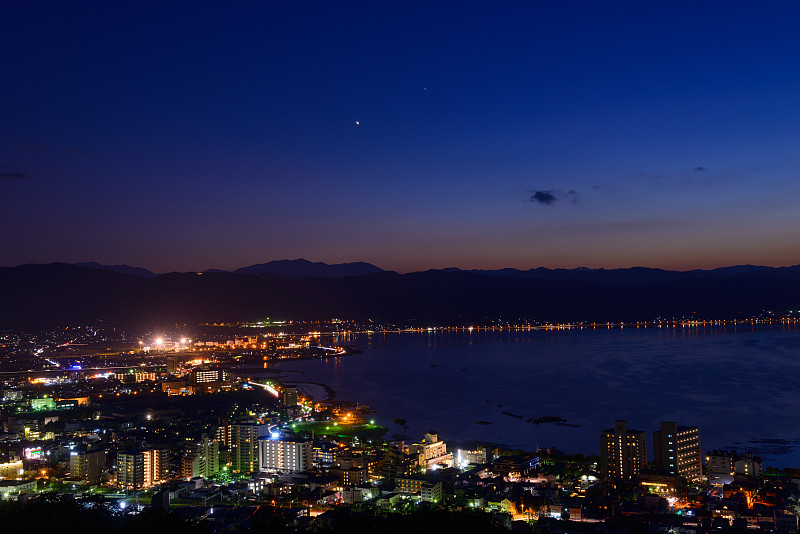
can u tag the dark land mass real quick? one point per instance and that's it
(122, 269)
(301, 268)
(57, 294)
(634, 276)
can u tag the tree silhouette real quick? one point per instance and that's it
(402, 423)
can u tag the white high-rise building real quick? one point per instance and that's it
(284, 456)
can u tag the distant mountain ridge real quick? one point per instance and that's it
(630, 276)
(121, 269)
(58, 294)
(301, 268)
(633, 276)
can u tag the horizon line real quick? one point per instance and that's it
(579, 267)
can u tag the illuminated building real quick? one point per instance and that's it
(289, 396)
(748, 465)
(724, 465)
(202, 460)
(664, 485)
(677, 451)
(141, 469)
(428, 491)
(284, 456)
(623, 452)
(130, 470)
(207, 379)
(242, 442)
(357, 494)
(135, 376)
(87, 465)
(15, 487)
(466, 458)
(11, 469)
(207, 373)
(11, 395)
(352, 476)
(432, 452)
(80, 401)
(177, 387)
(322, 455)
(32, 453)
(43, 404)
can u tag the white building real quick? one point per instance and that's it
(432, 452)
(284, 456)
(724, 465)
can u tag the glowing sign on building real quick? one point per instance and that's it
(34, 453)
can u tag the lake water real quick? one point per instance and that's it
(739, 385)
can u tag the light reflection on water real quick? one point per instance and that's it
(738, 384)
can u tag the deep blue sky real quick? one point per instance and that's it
(186, 136)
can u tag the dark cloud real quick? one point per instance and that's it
(700, 169)
(7, 176)
(543, 197)
(551, 196)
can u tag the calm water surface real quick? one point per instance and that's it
(739, 385)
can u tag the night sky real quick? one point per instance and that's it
(187, 136)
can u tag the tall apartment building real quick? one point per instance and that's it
(242, 442)
(677, 451)
(142, 469)
(284, 456)
(201, 459)
(623, 451)
(87, 465)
